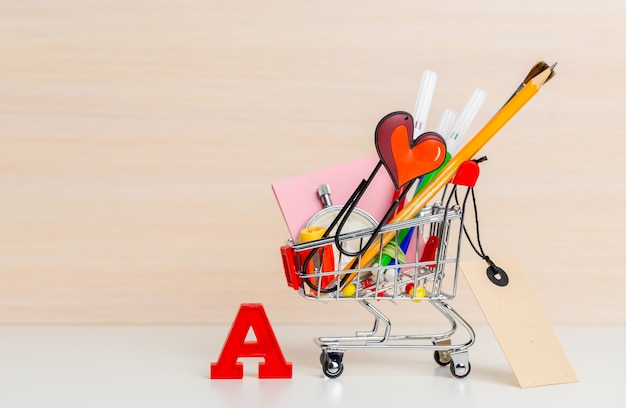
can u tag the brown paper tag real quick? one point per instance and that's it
(520, 326)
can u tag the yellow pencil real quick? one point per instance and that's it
(466, 153)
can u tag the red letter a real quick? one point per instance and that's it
(251, 315)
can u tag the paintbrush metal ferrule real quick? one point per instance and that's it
(534, 71)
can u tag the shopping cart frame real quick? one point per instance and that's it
(438, 220)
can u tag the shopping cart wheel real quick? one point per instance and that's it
(332, 365)
(460, 370)
(442, 357)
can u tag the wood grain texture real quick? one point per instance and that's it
(139, 140)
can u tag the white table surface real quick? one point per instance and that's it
(169, 366)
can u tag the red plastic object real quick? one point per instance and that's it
(396, 195)
(404, 156)
(251, 315)
(430, 249)
(291, 274)
(467, 174)
(323, 260)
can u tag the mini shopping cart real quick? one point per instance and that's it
(427, 270)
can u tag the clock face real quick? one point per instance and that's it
(357, 220)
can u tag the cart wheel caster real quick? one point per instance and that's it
(460, 370)
(442, 357)
(332, 364)
(323, 357)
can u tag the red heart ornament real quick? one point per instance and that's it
(404, 158)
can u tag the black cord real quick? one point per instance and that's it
(479, 251)
(376, 231)
(495, 274)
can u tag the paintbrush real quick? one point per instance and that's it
(537, 69)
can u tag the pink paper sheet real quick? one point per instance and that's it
(298, 200)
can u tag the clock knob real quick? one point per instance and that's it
(323, 191)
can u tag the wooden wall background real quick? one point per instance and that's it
(139, 140)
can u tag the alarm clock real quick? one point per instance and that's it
(357, 220)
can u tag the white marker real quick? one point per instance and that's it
(423, 101)
(446, 122)
(464, 121)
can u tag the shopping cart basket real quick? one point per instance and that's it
(316, 270)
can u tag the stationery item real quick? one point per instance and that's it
(464, 121)
(446, 122)
(423, 102)
(466, 153)
(535, 70)
(517, 319)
